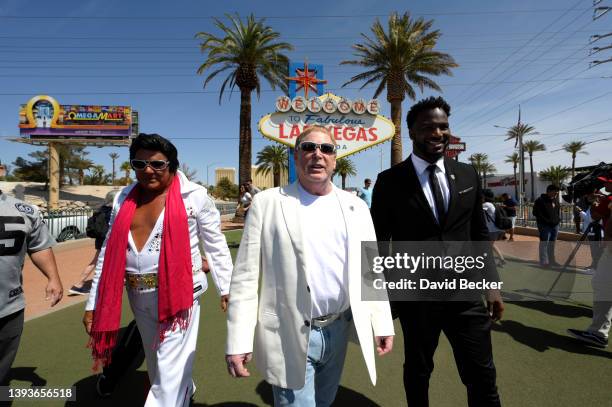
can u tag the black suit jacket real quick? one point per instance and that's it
(401, 212)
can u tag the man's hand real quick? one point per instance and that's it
(384, 344)
(236, 364)
(495, 305)
(87, 321)
(205, 266)
(45, 261)
(224, 302)
(54, 291)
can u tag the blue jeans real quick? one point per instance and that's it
(548, 235)
(326, 352)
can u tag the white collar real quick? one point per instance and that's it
(421, 165)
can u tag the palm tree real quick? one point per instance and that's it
(189, 172)
(398, 59)
(514, 160)
(521, 129)
(113, 157)
(531, 147)
(125, 166)
(247, 50)
(487, 169)
(272, 158)
(345, 167)
(574, 147)
(479, 161)
(555, 174)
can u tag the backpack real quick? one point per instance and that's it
(501, 221)
(97, 224)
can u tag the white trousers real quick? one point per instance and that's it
(169, 366)
(602, 296)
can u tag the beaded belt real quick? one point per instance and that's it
(146, 281)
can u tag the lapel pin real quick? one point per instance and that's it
(452, 176)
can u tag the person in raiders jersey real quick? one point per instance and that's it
(22, 231)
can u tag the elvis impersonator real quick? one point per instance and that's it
(153, 245)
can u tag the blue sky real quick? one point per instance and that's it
(142, 54)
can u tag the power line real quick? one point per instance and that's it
(569, 132)
(447, 36)
(518, 49)
(195, 75)
(281, 17)
(528, 90)
(195, 47)
(484, 91)
(199, 61)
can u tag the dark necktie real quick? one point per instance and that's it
(437, 193)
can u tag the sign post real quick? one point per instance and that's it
(455, 146)
(308, 78)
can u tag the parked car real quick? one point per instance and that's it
(67, 224)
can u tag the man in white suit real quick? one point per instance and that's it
(305, 239)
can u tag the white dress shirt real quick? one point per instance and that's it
(420, 166)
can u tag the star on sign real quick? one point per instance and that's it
(306, 80)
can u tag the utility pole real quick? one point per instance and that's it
(521, 196)
(599, 12)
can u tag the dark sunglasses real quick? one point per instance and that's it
(309, 147)
(157, 165)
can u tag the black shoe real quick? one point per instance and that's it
(589, 338)
(104, 387)
(79, 290)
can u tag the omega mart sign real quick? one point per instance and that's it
(356, 125)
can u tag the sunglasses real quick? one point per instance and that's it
(309, 147)
(156, 165)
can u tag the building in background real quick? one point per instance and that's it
(504, 183)
(2, 170)
(267, 181)
(229, 173)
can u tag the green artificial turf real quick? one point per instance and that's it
(537, 363)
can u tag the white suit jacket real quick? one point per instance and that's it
(204, 225)
(272, 244)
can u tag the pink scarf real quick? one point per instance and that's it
(174, 275)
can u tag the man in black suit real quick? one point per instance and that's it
(431, 198)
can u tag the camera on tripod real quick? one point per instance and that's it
(587, 182)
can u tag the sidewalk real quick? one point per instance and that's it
(71, 258)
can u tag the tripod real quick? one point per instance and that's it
(593, 226)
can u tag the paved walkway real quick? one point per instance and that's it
(73, 256)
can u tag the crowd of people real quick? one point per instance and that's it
(293, 295)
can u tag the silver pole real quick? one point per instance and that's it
(521, 196)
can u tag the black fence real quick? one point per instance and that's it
(567, 218)
(69, 224)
